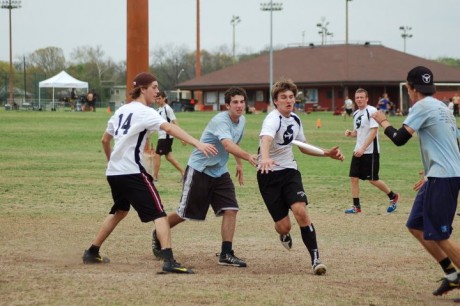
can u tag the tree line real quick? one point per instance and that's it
(171, 64)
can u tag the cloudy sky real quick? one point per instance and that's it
(71, 23)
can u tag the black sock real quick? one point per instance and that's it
(167, 254)
(226, 247)
(309, 239)
(447, 266)
(391, 195)
(356, 202)
(94, 249)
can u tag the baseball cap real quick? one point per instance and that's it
(422, 80)
(143, 79)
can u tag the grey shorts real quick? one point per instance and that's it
(200, 191)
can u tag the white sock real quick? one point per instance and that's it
(452, 276)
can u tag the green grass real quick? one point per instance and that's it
(54, 195)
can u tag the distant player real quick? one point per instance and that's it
(165, 141)
(365, 163)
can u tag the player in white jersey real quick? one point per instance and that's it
(129, 182)
(280, 182)
(365, 162)
(165, 141)
(433, 211)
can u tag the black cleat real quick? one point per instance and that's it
(90, 258)
(230, 259)
(172, 266)
(446, 286)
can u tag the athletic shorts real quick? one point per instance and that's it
(434, 208)
(164, 146)
(199, 191)
(280, 189)
(349, 111)
(136, 190)
(365, 167)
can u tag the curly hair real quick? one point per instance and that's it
(282, 86)
(234, 91)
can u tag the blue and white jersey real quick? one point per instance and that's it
(220, 127)
(362, 124)
(130, 125)
(283, 130)
(438, 133)
(168, 114)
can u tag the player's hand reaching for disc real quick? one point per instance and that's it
(335, 153)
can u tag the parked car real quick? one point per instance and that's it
(184, 105)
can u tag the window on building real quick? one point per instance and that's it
(210, 97)
(221, 98)
(259, 96)
(311, 95)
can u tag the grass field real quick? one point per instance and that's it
(54, 196)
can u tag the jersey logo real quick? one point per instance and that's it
(359, 121)
(288, 135)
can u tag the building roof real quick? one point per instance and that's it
(324, 65)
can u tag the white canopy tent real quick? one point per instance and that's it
(60, 80)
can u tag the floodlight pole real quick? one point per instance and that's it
(235, 20)
(346, 21)
(10, 5)
(270, 6)
(405, 35)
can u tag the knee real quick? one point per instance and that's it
(230, 213)
(414, 232)
(120, 214)
(283, 227)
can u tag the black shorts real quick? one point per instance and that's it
(349, 111)
(164, 146)
(139, 191)
(200, 190)
(280, 189)
(365, 167)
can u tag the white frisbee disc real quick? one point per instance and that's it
(308, 147)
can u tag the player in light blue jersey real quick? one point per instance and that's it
(207, 181)
(433, 211)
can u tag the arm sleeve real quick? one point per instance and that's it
(399, 137)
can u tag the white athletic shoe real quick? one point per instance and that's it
(286, 241)
(319, 268)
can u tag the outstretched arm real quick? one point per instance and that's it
(176, 131)
(236, 150)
